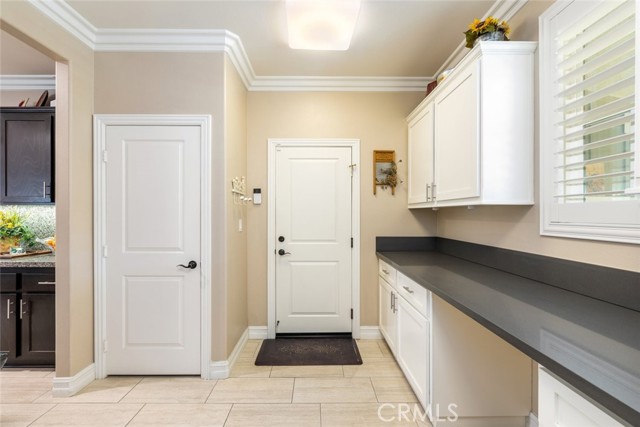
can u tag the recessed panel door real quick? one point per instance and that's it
(313, 232)
(153, 250)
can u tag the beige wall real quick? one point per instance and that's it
(74, 258)
(378, 120)
(516, 227)
(235, 127)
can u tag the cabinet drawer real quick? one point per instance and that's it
(8, 282)
(387, 272)
(415, 295)
(38, 282)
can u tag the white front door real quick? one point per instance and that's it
(152, 226)
(313, 239)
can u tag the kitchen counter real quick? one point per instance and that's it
(46, 260)
(592, 344)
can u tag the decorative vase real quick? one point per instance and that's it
(494, 36)
(8, 242)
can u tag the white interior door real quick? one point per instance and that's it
(313, 232)
(152, 226)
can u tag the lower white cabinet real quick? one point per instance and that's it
(413, 350)
(560, 405)
(388, 316)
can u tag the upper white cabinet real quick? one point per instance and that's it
(471, 140)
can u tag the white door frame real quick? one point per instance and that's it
(354, 144)
(100, 123)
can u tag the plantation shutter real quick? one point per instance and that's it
(594, 145)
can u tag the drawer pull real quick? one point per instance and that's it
(9, 312)
(385, 271)
(406, 288)
(46, 283)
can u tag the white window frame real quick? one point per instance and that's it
(594, 221)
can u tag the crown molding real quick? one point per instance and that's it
(168, 40)
(67, 17)
(27, 82)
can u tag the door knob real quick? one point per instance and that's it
(281, 239)
(191, 265)
(282, 252)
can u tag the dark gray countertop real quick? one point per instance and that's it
(591, 344)
(46, 260)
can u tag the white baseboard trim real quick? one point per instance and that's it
(532, 420)
(221, 369)
(68, 386)
(258, 332)
(370, 333)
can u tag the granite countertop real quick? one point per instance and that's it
(592, 344)
(46, 260)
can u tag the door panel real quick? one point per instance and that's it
(313, 217)
(153, 224)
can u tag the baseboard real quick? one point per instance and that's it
(370, 333)
(532, 420)
(221, 369)
(258, 333)
(482, 422)
(68, 386)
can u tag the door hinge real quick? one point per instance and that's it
(105, 157)
(277, 324)
(352, 243)
(105, 346)
(104, 251)
(352, 313)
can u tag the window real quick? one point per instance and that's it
(590, 161)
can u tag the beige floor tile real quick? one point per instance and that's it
(306, 371)
(23, 389)
(384, 348)
(250, 349)
(393, 389)
(369, 349)
(181, 415)
(365, 415)
(21, 414)
(252, 390)
(321, 390)
(89, 414)
(276, 415)
(246, 368)
(108, 390)
(383, 367)
(170, 390)
(25, 373)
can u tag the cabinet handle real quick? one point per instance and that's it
(392, 304)
(385, 271)
(46, 283)
(44, 189)
(433, 191)
(406, 288)
(428, 186)
(9, 312)
(21, 303)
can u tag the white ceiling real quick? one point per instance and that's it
(393, 38)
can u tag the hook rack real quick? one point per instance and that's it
(238, 189)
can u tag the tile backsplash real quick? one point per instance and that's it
(41, 219)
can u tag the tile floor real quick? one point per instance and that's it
(371, 394)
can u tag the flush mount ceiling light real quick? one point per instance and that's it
(321, 24)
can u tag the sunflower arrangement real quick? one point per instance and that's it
(489, 25)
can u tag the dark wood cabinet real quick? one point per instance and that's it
(27, 316)
(27, 145)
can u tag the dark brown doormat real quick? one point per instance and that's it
(308, 351)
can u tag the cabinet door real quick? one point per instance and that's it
(420, 155)
(26, 157)
(8, 315)
(413, 352)
(457, 137)
(37, 329)
(559, 405)
(388, 317)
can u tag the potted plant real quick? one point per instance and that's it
(13, 231)
(489, 29)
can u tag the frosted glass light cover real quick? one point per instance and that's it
(321, 24)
